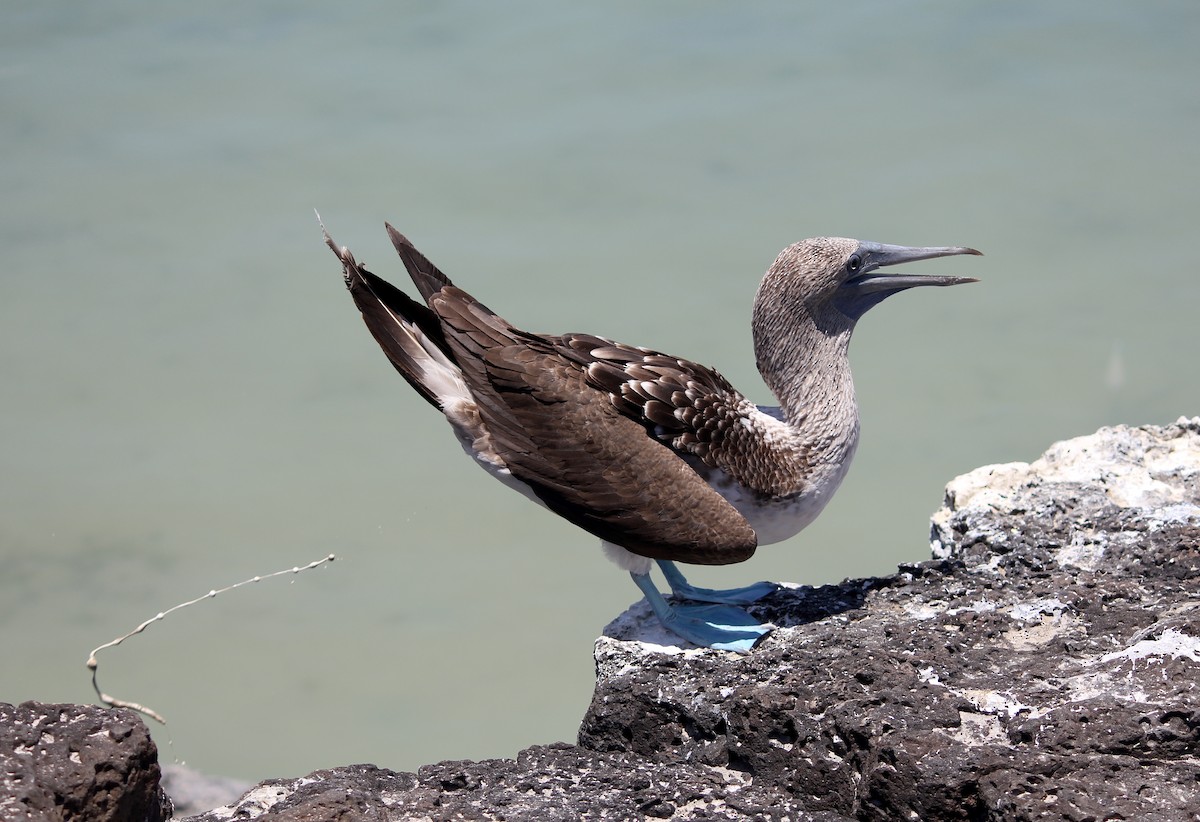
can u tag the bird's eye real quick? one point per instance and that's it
(854, 263)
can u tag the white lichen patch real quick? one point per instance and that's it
(259, 800)
(1126, 679)
(990, 486)
(1184, 513)
(1037, 609)
(985, 700)
(1040, 622)
(979, 729)
(922, 610)
(1084, 551)
(929, 676)
(1130, 467)
(1135, 467)
(1030, 637)
(1171, 643)
(998, 702)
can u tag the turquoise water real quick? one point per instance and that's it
(190, 399)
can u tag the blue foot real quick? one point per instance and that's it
(683, 589)
(722, 627)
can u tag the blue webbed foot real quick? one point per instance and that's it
(683, 589)
(722, 627)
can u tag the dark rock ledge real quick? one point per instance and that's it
(77, 762)
(1044, 665)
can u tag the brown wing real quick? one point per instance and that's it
(588, 462)
(695, 411)
(681, 403)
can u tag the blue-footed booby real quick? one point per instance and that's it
(658, 456)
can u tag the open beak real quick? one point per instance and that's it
(877, 255)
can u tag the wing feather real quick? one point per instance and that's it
(584, 459)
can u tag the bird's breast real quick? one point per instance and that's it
(775, 518)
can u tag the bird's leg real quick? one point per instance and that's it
(683, 589)
(722, 627)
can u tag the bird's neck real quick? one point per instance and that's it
(803, 358)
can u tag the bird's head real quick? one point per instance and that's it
(843, 275)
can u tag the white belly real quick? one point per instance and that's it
(777, 520)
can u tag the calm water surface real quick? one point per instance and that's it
(189, 398)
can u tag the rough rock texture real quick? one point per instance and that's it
(1045, 666)
(77, 762)
(554, 783)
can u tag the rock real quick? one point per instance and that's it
(77, 762)
(552, 783)
(1045, 665)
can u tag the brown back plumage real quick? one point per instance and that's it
(558, 431)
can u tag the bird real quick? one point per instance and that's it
(658, 456)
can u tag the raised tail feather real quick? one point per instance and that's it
(425, 275)
(409, 333)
